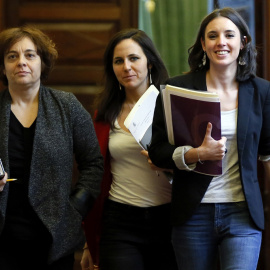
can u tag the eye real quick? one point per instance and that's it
(212, 36)
(118, 61)
(11, 56)
(230, 35)
(134, 58)
(30, 55)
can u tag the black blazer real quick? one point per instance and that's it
(253, 138)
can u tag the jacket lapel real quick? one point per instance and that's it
(245, 97)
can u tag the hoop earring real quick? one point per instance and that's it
(150, 77)
(120, 87)
(204, 59)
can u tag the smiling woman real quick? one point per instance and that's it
(222, 43)
(219, 218)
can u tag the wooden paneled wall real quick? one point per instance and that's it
(81, 30)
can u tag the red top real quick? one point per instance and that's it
(92, 223)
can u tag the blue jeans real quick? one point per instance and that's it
(221, 232)
(136, 238)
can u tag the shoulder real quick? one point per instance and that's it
(192, 80)
(260, 82)
(180, 78)
(63, 103)
(59, 98)
(4, 94)
(260, 85)
(56, 94)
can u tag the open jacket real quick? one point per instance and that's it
(63, 128)
(253, 138)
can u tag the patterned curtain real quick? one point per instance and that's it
(173, 26)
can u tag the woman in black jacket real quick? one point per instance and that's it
(219, 216)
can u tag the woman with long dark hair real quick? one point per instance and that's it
(135, 228)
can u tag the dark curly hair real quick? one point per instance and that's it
(45, 48)
(248, 53)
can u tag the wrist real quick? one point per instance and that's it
(199, 156)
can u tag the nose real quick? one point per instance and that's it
(127, 65)
(221, 40)
(21, 61)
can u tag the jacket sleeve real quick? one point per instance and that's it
(88, 158)
(160, 150)
(264, 146)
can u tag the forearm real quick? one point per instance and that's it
(194, 155)
(266, 166)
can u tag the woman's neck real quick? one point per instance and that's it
(23, 95)
(132, 96)
(226, 86)
(221, 80)
(24, 104)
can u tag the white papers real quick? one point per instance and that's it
(140, 118)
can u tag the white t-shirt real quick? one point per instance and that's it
(134, 182)
(227, 187)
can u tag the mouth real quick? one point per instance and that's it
(222, 52)
(22, 73)
(128, 77)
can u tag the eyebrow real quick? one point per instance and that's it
(28, 50)
(132, 54)
(226, 31)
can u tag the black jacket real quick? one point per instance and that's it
(253, 138)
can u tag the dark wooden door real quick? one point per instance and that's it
(81, 30)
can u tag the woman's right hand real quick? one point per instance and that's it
(210, 148)
(87, 261)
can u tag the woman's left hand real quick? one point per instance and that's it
(86, 260)
(3, 182)
(152, 166)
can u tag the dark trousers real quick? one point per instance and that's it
(31, 255)
(136, 238)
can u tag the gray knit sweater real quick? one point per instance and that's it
(63, 128)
